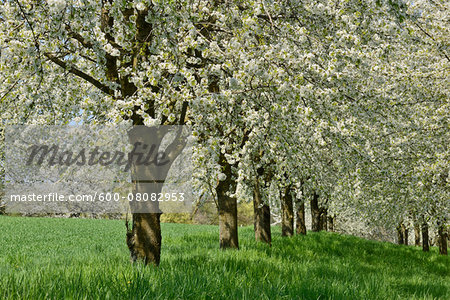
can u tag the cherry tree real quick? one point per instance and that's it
(134, 61)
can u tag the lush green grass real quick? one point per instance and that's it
(80, 258)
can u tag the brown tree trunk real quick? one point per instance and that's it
(400, 240)
(144, 238)
(425, 238)
(228, 230)
(261, 216)
(331, 223)
(227, 207)
(416, 234)
(323, 219)
(287, 213)
(405, 234)
(442, 232)
(320, 220)
(315, 213)
(300, 222)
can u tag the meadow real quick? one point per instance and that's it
(88, 259)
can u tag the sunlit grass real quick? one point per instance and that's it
(88, 259)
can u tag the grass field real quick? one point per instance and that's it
(88, 259)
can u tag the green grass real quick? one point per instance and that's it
(88, 259)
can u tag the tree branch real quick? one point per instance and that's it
(432, 38)
(80, 74)
(79, 38)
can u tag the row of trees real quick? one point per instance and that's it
(340, 103)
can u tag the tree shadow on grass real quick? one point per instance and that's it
(335, 246)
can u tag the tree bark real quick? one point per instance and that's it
(144, 238)
(442, 232)
(331, 223)
(227, 207)
(400, 239)
(261, 216)
(416, 234)
(287, 213)
(300, 222)
(315, 213)
(425, 241)
(323, 219)
(405, 234)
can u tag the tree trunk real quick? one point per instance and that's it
(315, 213)
(425, 241)
(261, 216)
(416, 234)
(400, 240)
(331, 223)
(323, 219)
(405, 234)
(442, 232)
(227, 207)
(320, 220)
(300, 222)
(228, 230)
(287, 213)
(144, 238)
